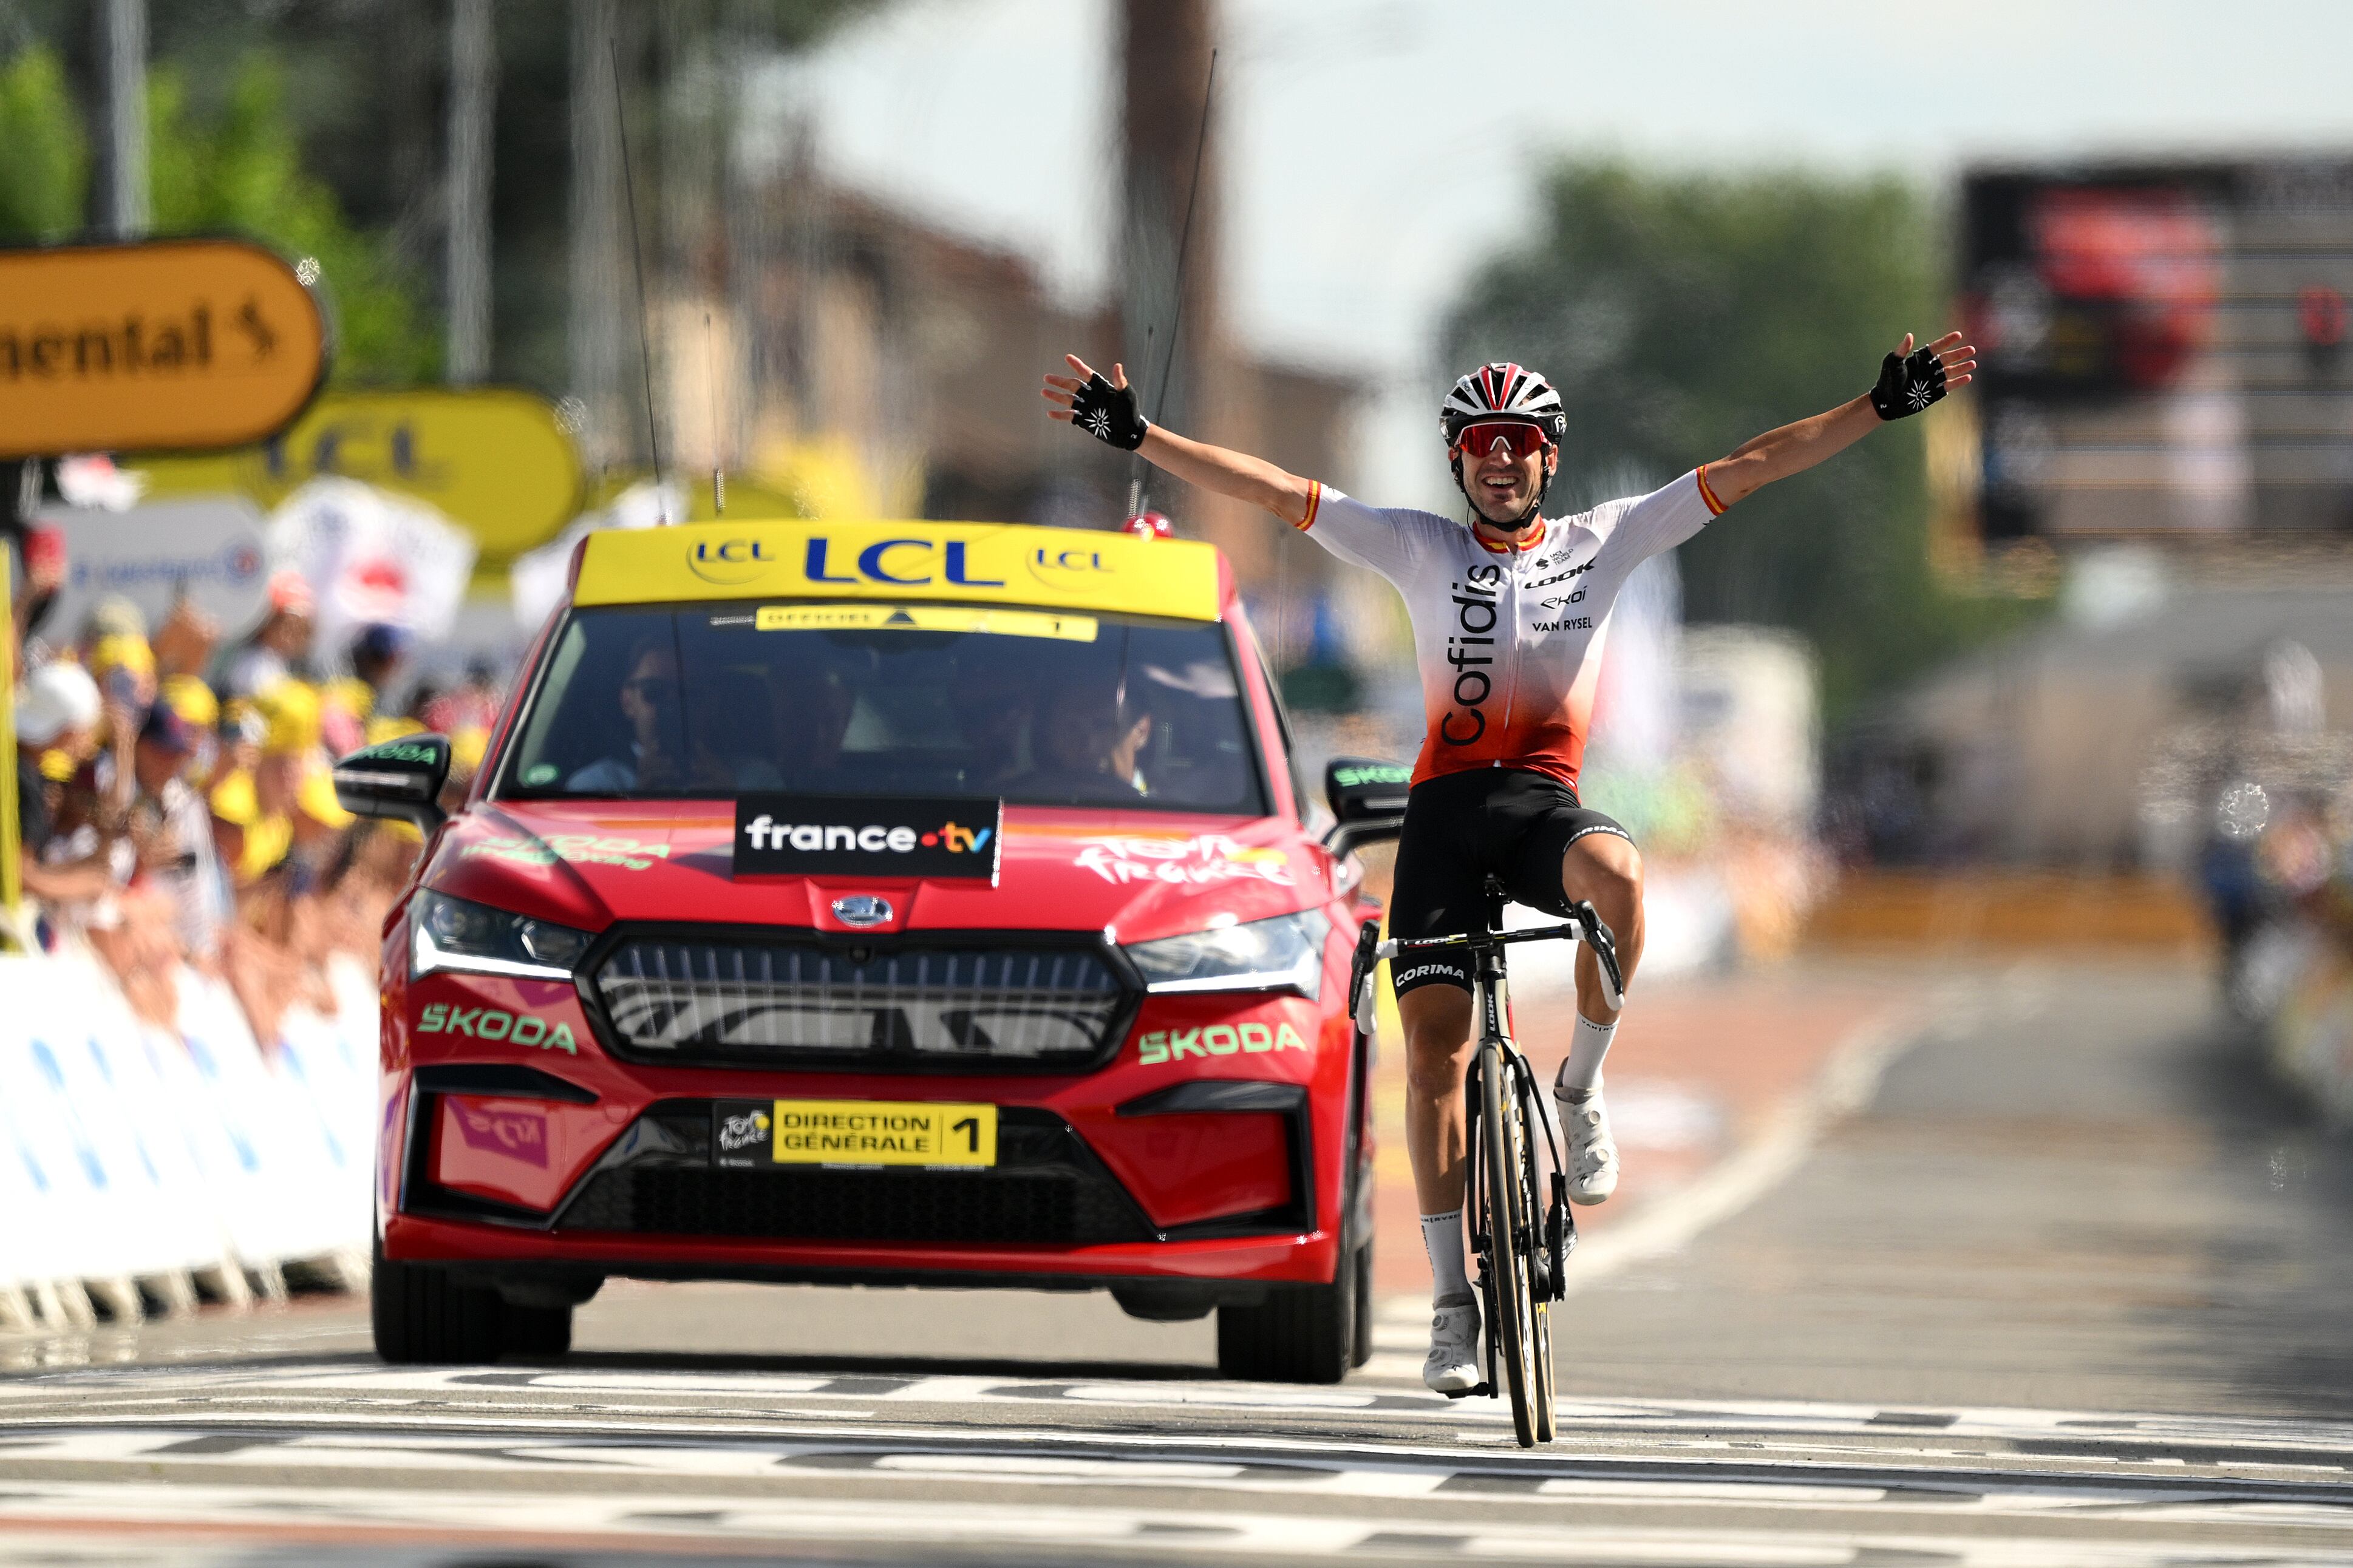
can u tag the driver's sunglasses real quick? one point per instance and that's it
(1521, 440)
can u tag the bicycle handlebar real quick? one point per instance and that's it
(1585, 926)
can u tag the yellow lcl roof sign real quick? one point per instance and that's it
(174, 345)
(495, 459)
(965, 562)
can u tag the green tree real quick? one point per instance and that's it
(43, 158)
(240, 170)
(1682, 314)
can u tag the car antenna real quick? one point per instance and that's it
(637, 258)
(1137, 485)
(718, 465)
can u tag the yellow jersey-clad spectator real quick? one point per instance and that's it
(262, 802)
(391, 727)
(192, 700)
(250, 841)
(124, 668)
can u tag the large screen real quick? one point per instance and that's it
(2162, 348)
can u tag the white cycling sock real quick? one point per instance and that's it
(1581, 1075)
(1449, 1277)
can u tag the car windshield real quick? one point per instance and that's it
(1040, 708)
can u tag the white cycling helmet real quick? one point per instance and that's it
(1502, 390)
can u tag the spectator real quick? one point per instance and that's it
(260, 802)
(173, 829)
(281, 643)
(57, 731)
(183, 647)
(357, 709)
(115, 652)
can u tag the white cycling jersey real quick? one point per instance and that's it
(1509, 640)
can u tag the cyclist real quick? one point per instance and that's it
(1509, 614)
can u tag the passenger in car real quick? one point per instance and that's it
(1090, 743)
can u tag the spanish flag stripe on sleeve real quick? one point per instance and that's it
(1314, 502)
(1714, 507)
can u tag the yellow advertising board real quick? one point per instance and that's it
(966, 562)
(171, 345)
(493, 460)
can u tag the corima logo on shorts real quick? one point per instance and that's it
(865, 836)
(1470, 651)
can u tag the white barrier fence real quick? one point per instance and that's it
(137, 1162)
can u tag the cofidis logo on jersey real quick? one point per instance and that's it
(867, 835)
(1471, 649)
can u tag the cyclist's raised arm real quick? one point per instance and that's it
(1106, 410)
(1909, 380)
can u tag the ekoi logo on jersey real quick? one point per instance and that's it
(1469, 649)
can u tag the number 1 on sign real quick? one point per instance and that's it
(970, 1128)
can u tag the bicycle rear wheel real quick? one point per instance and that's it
(1512, 1236)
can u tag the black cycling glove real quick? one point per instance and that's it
(1108, 413)
(1908, 383)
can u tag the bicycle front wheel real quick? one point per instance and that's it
(1512, 1237)
(1539, 1233)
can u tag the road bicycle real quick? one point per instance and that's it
(1520, 1228)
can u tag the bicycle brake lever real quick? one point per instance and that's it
(1361, 968)
(1598, 937)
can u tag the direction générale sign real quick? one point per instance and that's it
(170, 345)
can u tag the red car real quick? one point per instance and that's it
(886, 904)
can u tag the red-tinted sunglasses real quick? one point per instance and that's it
(1519, 440)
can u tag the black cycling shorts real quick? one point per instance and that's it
(1460, 828)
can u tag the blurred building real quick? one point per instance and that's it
(2100, 741)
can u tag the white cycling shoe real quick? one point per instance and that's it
(1453, 1363)
(1592, 1152)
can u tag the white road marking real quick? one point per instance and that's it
(1169, 1461)
(363, 1388)
(268, 1512)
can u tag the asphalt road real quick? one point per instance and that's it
(2073, 1287)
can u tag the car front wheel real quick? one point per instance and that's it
(421, 1315)
(1300, 1333)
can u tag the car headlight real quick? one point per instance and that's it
(459, 935)
(1285, 953)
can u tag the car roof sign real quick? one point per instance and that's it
(965, 562)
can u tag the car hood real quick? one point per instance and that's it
(1138, 875)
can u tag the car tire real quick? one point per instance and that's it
(540, 1333)
(421, 1315)
(1300, 1333)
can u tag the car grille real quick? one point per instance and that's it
(762, 1002)
(1048, 1190)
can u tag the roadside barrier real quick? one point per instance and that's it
(141, 1165)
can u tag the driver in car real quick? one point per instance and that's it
(650, 700)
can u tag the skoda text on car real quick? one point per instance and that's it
(879, 903)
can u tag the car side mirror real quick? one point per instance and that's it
(1367, 796)
(400, 779)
